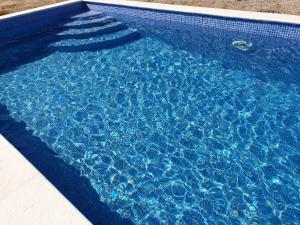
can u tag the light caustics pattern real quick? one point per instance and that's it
(170, 126)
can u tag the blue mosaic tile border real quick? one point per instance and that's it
(280, 30)
(34, 22)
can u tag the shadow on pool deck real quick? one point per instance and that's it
(77, 189)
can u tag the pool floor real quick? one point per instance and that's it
(166, 132)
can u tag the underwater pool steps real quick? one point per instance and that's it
(91, 24)
(88, 14)
(106, 44)
(108, 34)
(43, 39)
(93, 20)
(106, 26)
(88, 17)
(28, 54)
(51, 32)
(108, 29)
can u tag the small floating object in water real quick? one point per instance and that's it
(242, 45)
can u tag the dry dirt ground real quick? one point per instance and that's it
(276, 6)
(273, 6)
(9, 6)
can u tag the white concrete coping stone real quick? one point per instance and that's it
(27, 197)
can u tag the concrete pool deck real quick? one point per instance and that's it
(26, 196)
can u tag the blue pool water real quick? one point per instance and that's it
(170, 126)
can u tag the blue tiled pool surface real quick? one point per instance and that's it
(170, 124)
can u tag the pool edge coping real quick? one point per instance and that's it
(204, 11)
(45, 193)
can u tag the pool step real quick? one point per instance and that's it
(89, 23)
(50, 35)
(98, 42)
(93, 36)
(105, 33)
(90, 32)
(88, 14)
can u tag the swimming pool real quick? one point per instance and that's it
(167, 120)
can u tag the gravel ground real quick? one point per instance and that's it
(274, 6)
